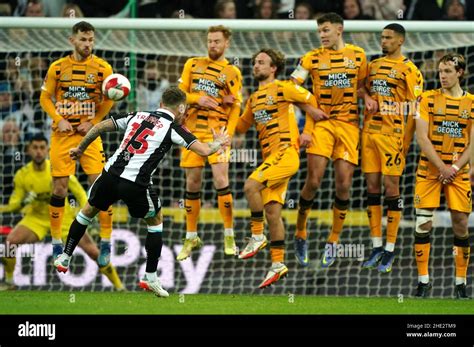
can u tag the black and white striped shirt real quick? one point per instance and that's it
(148, 137)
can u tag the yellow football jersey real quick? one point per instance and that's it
(450, 121)
(202, 76)
(76, 87)
(28, 180)
(271, 109)
(335, 76)
(396, 85)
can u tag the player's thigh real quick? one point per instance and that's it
(219, 158)
(427, 193)
(276, 193)
(61, 163)
(142, 202)
(323, 139)
(371, 161)
(391, 154)
(104, 191)
(29, 230)
(347, 143)
(277, 168)
(458, 194)
(93, 159)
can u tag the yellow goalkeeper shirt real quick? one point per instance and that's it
(28, 180)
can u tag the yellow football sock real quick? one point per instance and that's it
(304, 209)
(9, 266)
(224, 201)
(111, 273)
(462, 253)
(256, 223)
(105, 220)
(339, 212)
(56, 213)
(422, 253)
(277, 251)
(193, 207)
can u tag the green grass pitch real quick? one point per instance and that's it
(43, 302)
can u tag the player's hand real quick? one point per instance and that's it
(305, 140)
(84, 128)
(29, 198)
(228, 100)
(75, 153)
(207, 101)
(64, 126)
(317, 114)
(222, 136)
(371, 104)
(447, 174)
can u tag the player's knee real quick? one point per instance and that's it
(314, 181)
(221, 182)
(460, 226)
(424, 221)
(14, 239)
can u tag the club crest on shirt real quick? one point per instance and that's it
(393, 73)
(270, 100)
(222, 78)
(349, 63)
(464, 114)
(90, 78)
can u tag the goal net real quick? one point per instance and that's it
(152, 54)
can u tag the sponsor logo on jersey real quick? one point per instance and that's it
(338, 80)
(450, 128)
(207, 86)
(262, 117)
(77, 92)
(380, 87)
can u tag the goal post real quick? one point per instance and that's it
(29, 45)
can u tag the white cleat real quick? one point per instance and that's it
(153, 286)
(252, 247)
(62, 262)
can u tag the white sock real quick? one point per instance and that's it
(258, 237)
(229, 232)
(57, 241)
(104, 240)
(191, 235)
(460, 280)
(276, 265)
(150, 276)
(424, 279)
(376, 242)
(390, 247)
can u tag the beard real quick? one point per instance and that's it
(384, 50)
(260, 77)
(214, 55)
(83, 53)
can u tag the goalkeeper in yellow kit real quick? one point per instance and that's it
(31, 195)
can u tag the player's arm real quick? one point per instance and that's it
(234, 85)
(77, 190)
(414, 83)
(447, 173)
(46, 101)
(19, 197)
(363, 88)
(185, 82)
(182, 137)
(245, 120)
(302, 71)
(102, 127)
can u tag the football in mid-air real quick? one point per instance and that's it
(116, 87)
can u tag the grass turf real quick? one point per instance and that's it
(43, 302)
